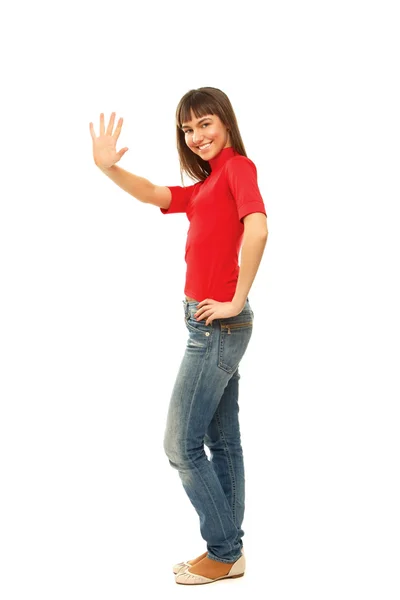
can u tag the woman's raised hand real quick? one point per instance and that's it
(104, 146)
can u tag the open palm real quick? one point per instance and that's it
(105, 154)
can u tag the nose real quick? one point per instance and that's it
(197, 138)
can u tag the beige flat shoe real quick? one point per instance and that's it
(185, 565)
(179, 566)
(238, 568)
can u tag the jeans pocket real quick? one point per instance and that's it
(234, 339)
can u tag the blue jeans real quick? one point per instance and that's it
(204, 409)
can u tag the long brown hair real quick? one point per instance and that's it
(204, 101)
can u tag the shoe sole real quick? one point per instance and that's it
(206, 582)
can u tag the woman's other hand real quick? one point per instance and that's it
(210, 309)
(104, 146)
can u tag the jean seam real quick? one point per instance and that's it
(229, 460)
(192, 461)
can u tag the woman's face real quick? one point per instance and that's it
(206, 136)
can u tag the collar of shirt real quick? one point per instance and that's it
(218, 161)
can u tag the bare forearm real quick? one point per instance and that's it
(139, 187)
(252, 252)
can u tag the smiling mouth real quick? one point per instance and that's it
(204, 147)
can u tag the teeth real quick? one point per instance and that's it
(206, 146)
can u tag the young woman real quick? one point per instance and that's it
(226, 213)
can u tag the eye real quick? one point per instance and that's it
(204, 125)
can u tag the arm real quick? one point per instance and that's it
(254, 241)
(139, 187)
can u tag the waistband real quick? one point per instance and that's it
(187, 300)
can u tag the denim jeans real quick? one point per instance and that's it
(204, 409)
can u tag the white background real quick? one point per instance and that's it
(92, 329)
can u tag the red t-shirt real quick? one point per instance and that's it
(215, 208)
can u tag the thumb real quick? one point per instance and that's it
(122, 152)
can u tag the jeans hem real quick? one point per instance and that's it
(224, 560)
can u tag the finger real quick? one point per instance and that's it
(101, 123)
(202, 307)
(122, 152)
(206, 307)
(111, 124)
(92, 133)
(118, 128)
(209, 305)
(204, 314)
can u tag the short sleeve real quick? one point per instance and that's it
(180, 198)
(242, 181)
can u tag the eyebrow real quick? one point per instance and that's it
(198, 122)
